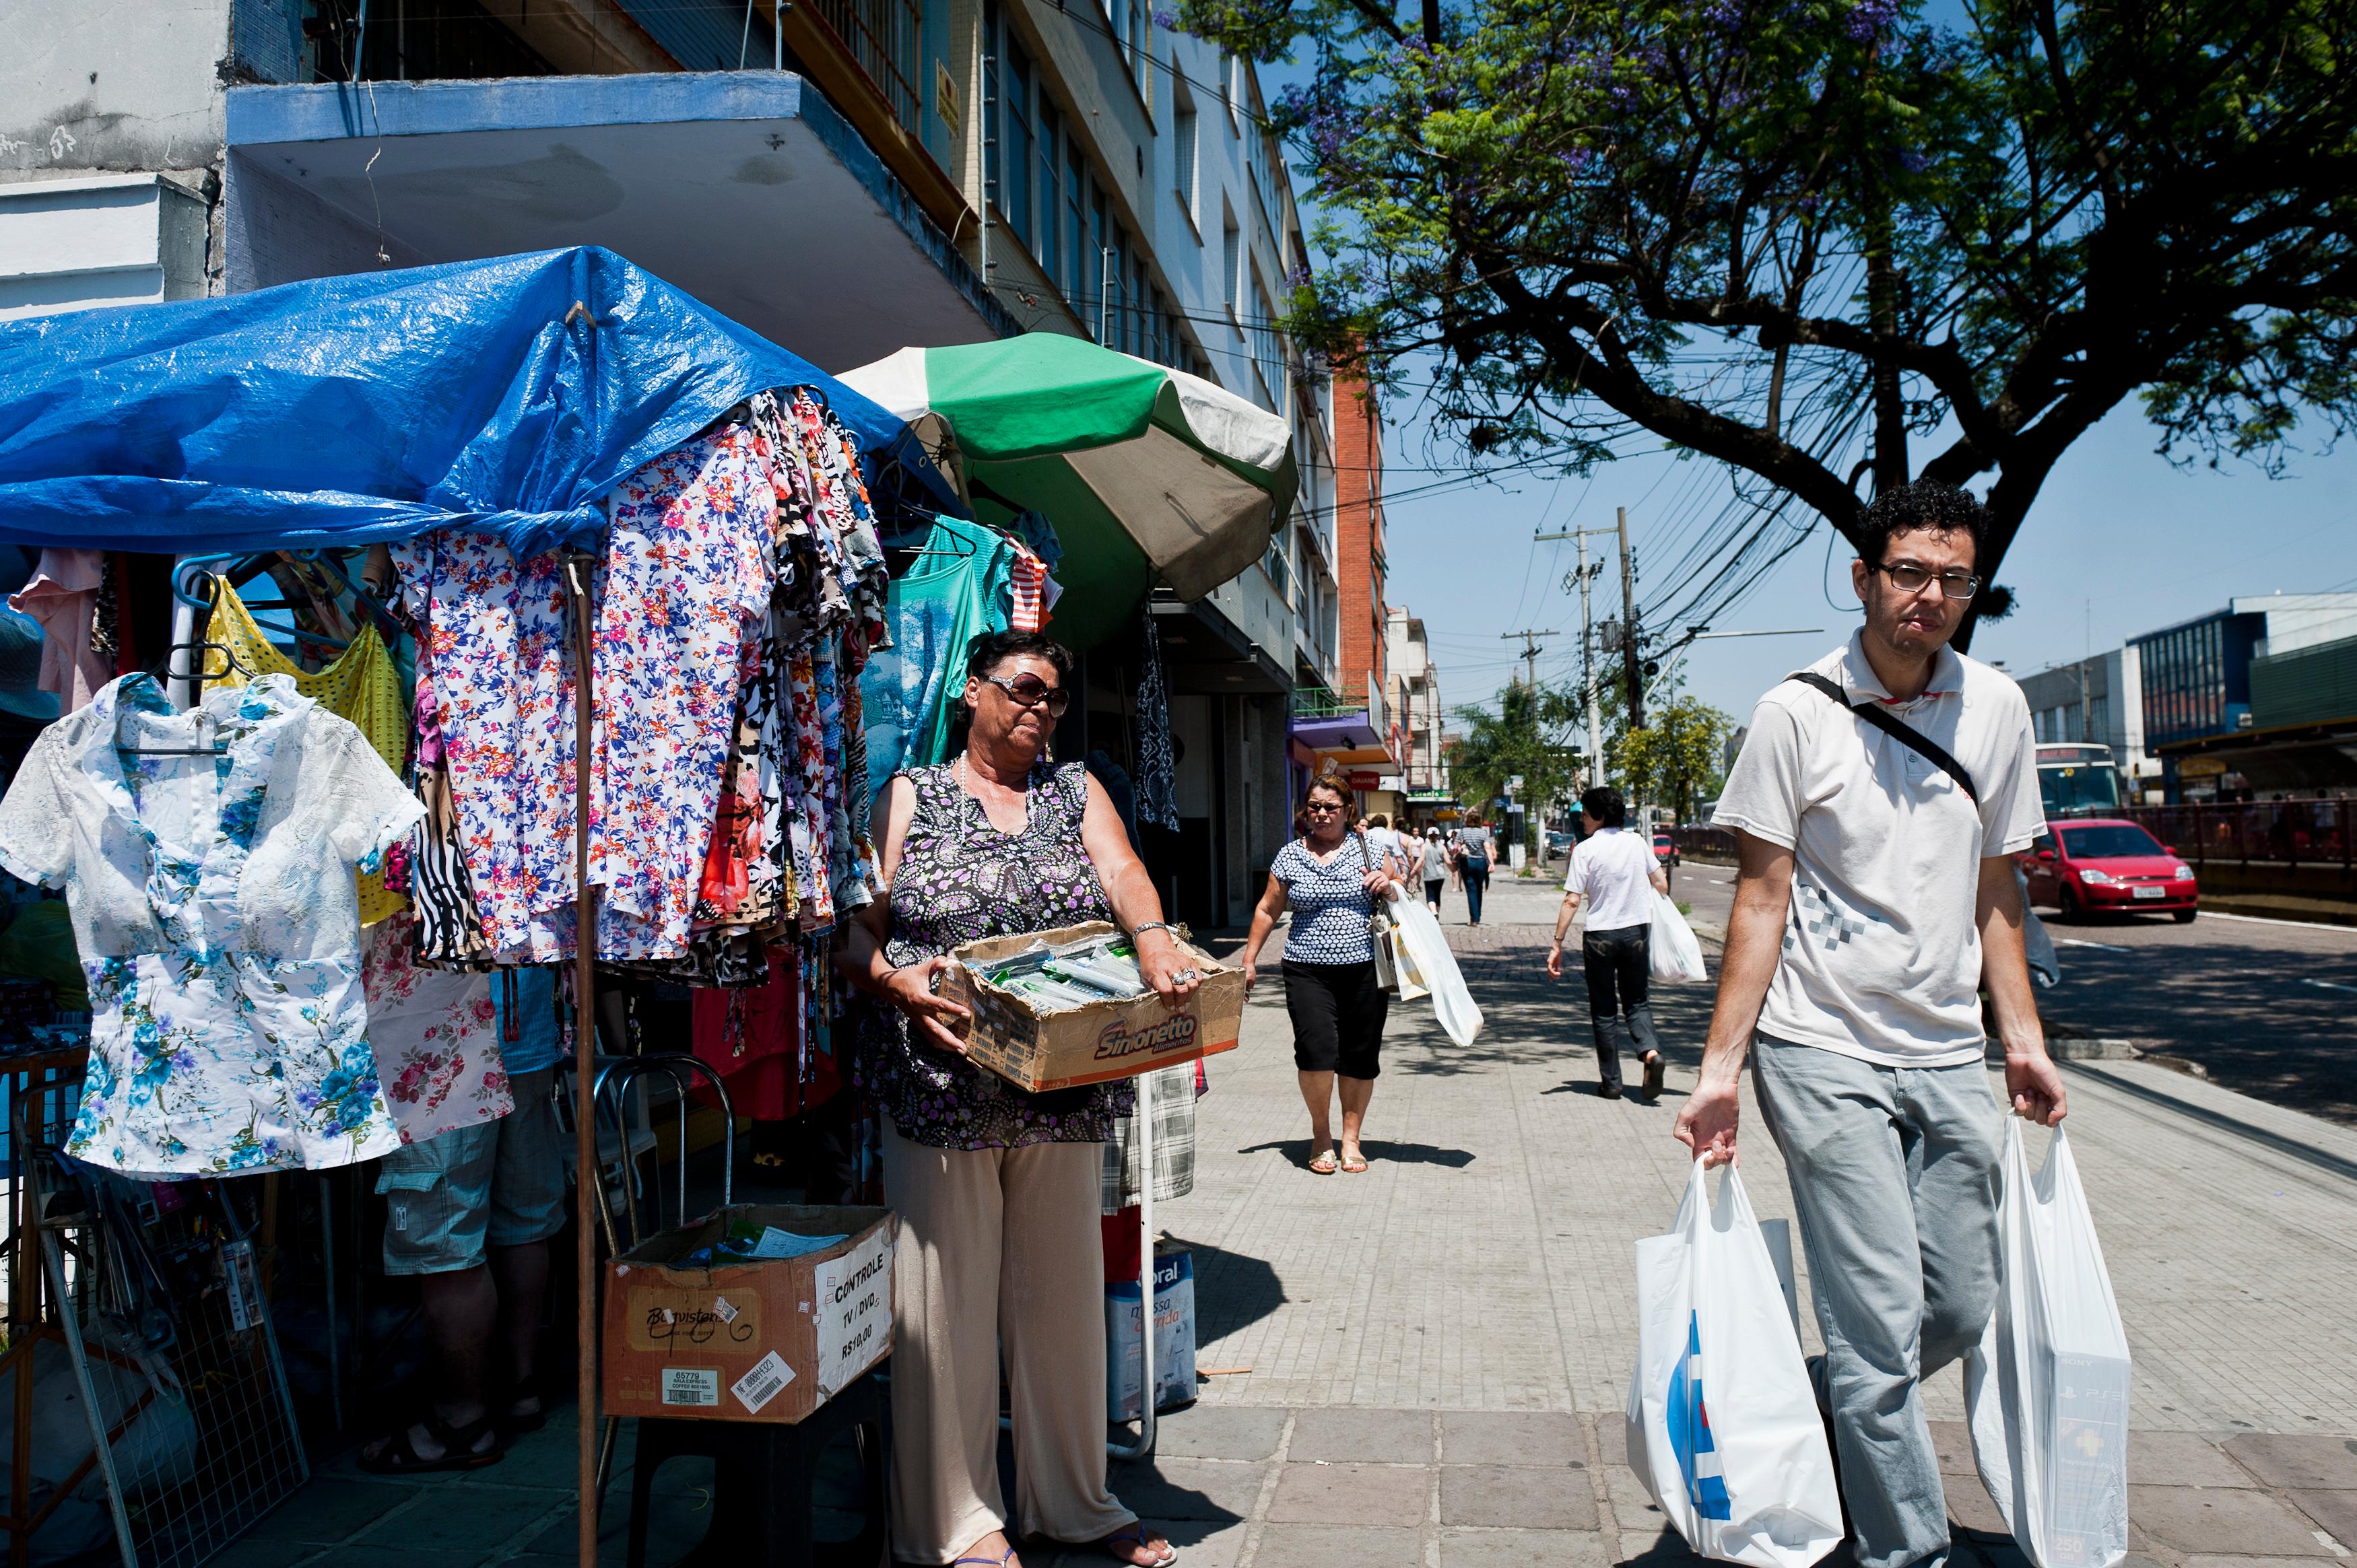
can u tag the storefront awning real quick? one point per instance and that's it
(745, 190)
(1338, 732)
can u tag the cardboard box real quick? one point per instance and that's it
(1098, 1041)
(748, 1341)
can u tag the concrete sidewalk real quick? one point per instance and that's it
(1429, 1360)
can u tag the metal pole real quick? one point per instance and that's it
(1104, 290)
(586, 1196)
(1587, 670)
(777, 35)
(1144, 1443)
(1629, 627)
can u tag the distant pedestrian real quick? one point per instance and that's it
(1477, 847)
(1332, 878)
(1435, 867)
(1877, 807)
(1386, 842)
(1613, 871)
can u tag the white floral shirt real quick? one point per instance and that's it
(215, 909)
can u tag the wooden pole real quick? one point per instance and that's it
(585, 1060)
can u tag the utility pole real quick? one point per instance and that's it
(1531, 640)
(1587, 576)
(1631, 664)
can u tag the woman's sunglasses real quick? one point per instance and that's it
(1033, 692)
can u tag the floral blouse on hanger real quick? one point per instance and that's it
(214, 906)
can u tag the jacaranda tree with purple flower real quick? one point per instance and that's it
(1833, 243)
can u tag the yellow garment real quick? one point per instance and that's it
(365, 686)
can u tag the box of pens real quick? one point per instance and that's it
(1060, 1008)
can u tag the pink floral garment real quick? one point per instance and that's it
(436, 1039)
(495, 658)
(687, 582)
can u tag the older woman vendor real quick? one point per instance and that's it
(997, 1189)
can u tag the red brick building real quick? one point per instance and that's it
(1359, 566)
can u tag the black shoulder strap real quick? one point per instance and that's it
(1913, 739)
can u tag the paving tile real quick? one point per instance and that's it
(399, 1557)
(1511, 1437)
(1351, 1494)
(1517, 1496)
(1954, 1442)
(2223, 1520)
(1362, 1436)
(1219, 1432)
(457, 1518)
(2181, 1459)
(328, 1510)
(1632, 1507)
(1326, 1546)
(1188, 1489)
(247, 1552)
(2336, 1511)
(1523, 1549)
(2298, 1463)
(1970, 1507)
(1202, 1544)
(1664, 1548)
(2197, 1559)
(543, 1458)
(1612, 1439)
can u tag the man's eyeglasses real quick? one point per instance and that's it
(1033, 692)
(1910, 578)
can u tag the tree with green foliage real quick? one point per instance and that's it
(1526, 735)
(1677, 755)
(1819, 240)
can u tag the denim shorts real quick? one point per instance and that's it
(498, 1183)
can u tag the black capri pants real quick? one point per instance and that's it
(1338, 1013)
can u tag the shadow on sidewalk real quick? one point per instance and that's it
(1297, 1151)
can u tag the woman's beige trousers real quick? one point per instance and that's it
(999, 1251)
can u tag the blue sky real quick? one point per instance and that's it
(2120, 541)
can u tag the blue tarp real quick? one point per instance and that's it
(506, 394)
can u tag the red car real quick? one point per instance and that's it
(1665, 850)
(2112, 867)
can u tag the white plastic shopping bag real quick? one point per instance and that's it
(1723, 1425)
(1675, 953)
(1427, 952)
(2047, 1388)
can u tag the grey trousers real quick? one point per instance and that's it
(1894, 1173)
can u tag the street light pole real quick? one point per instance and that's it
(1629, 660)
(1587, 576)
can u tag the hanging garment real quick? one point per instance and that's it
(496, 682)
(943, 604)
(1027, 583)
(437, 1038)
(362, 685)
(757, 1041)
(687, 582)
(63, 596)
(1157, 768)
(215, 911)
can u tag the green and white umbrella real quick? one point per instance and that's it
(1145, 471)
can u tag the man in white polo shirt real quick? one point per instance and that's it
(1878, 804)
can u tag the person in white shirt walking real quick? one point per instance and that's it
(1613, 871)
(1877, 804)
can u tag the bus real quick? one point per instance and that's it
(2077, 779)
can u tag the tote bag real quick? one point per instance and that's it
(2047, 1388)
(1723, 1425)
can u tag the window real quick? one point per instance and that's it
(993, 143)
(1141, 335)
(1141, 51)
(1182, 146)
(1266, 359)
(1052, 210)
(1231, 264)
(1015, 196)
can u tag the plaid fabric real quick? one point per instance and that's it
(1174, 1144)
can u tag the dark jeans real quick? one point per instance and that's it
(1620, 969)
(1432, 893)
(1476, 882)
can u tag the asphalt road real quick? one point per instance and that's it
(2267, 1007)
